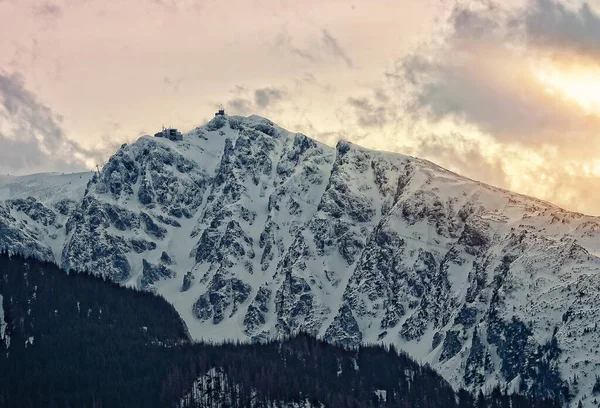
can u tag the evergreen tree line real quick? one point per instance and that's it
(79, 340)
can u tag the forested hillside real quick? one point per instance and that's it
(77, 340)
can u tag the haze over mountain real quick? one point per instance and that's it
(254, 232)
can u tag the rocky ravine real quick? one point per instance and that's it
(253, 232)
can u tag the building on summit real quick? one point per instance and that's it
(169, 133)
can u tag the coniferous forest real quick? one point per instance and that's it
(77, 340)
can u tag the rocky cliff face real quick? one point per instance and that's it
(254, 232)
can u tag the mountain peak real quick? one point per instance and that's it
(254, 232)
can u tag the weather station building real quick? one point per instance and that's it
(169, 133)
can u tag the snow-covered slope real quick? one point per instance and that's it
(254, 232)
(48, 188)
(34, 210)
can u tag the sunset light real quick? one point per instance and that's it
(578, 84)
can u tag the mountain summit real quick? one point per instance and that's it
(254, 232)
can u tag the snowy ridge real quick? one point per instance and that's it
(254, 232)
(34, 210)
(48, 188)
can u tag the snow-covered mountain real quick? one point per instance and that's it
(254, 232)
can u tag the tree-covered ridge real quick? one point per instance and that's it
(77, 340)
(80, 338)
(305, 370)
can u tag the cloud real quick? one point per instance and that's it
(482, 75)
(175, 6)
(268, 96)
(31, 134)
(284, 41)
(558, 28)
(333, 46)
(381, 96)
(369, 114)
(547, 175)
(309, 77)
(26, 53)
(305, 54)
(240, 106)
(474, 99)
(462, 155)
(320, 50)
(169, 4)
(172, 83)
(247, 101)
(48, 10)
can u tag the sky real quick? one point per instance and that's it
(504, 92)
